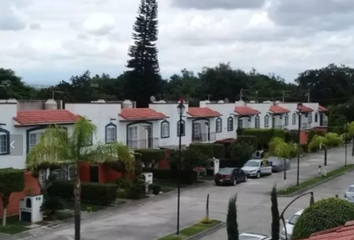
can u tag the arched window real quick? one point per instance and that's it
(181, 127)
(286, 119)
(257, 122)
(218, 125)
(266, 121)
(111, 133)
(294, 118)
(165, 129)
(4, 142)
(230, 124)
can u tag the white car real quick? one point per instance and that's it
(257, 168)
(349, 194)
(253, 236)
(290, 226)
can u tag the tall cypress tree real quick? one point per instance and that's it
(275, 214)
(231, 219)
(143, 78)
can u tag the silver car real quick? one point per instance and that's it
(349, 194)
(253, 236)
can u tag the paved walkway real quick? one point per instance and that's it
(155, 217)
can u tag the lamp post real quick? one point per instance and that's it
(180, 109)
(299, 108)
(346, 143)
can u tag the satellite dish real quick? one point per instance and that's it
(152, 99)
(226, 100)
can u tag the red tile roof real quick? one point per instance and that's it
(244, 110)
(345, 232)
(202, 112)
(278, 110)
(322, 109)
(38, 117)
(132, 114)
(305, 109)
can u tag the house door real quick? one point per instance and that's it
(206, 124)
(94, 173)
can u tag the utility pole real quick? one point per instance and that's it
(285, 91)
(208, 96)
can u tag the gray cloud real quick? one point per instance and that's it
(218, 4)
(10, 18)
(322, 15)
(34, 26)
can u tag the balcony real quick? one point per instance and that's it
(204, 137)
(143, 143)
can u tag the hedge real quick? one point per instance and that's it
(207, 149)
(324, 214)
(97, 193)
(249, 139)
(153, 156)
(264, 135)
(11, 180)
(291, 136)
(187, 176)
(219, 150)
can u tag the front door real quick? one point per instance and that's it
(94, 173)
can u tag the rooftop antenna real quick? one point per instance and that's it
(152, 99)
(208, 96)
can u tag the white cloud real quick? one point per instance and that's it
(285, 37)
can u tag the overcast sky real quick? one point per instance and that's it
(47, 41)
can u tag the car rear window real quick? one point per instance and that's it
(225, 170)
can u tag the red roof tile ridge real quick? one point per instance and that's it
(331, 230)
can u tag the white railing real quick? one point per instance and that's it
(305, 126)
(143, 143)
(204, 137)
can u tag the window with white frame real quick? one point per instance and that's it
(240, 123)
(218, 125)
(266, 121)
(257, 122)
(181, 127)
(230, 124)
(34, 139)
(310, 118)
(4, 143)
(197, 129)
(286, 119)
(111, 134)
(294, 118)
(133, 136)
(165, 129)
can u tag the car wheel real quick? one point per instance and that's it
(258, 175)
(245, 179)
(234, 182)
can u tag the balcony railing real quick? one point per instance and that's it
(204, 137)
(305, 126)
(143, 143)
(278, 126)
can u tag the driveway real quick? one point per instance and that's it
(157, 216)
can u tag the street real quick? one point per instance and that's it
(156, 217)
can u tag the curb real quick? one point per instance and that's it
(314, 185)
(207, 232)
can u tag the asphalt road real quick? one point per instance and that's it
(157, 216)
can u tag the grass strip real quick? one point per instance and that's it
(192, 230)
(315, 180)
(13, 225)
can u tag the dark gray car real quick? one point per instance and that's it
(279, 164)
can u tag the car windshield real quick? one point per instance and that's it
(350, 189)
(294, 219)
(225, 170)
(247, 237)
(252, 163)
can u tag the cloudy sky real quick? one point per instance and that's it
(46, 41)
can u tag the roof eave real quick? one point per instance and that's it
(43, 124)
(141, 119)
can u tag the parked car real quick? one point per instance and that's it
(349, 194)
(257, 168)
(253, 236)
(230, 176)
(278, 164)
(290, 226)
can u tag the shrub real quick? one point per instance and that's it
(156, 189)
(151, 157)
(51, 205)
(207, 149)
(97, 193)
(249, 139)
(322, 215)
(316, 142)
(219, 150)
(291, 136)
(135, 189)
(187, 176)
(121, 193)
(228, 162)
(241, 151)
(264, 135)
(190, 158)
(346, 137)
(333, 140)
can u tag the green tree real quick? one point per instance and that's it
(322, 215)
(11, 180)
(231, 219)
(190, 158)
(275, 214)
(57, 147)
(241, 151)
(143, 78)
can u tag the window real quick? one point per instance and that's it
(181, 127)
(316, 117)
(240, 123)
(257, 122)
(230, 124)
(310, 118)
(133, 136)
(4, 142)
(294, 118)
(266, 121)
(165, 129)
(111, 133)
(197, 129)
(218, 125)
(34, 139)
(286, 120)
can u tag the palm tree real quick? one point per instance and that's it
(56, 146)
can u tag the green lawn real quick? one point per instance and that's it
(190, 231)
(14, 226)
(315, 180)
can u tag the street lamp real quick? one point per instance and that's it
(299, 109)
(180, 109)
